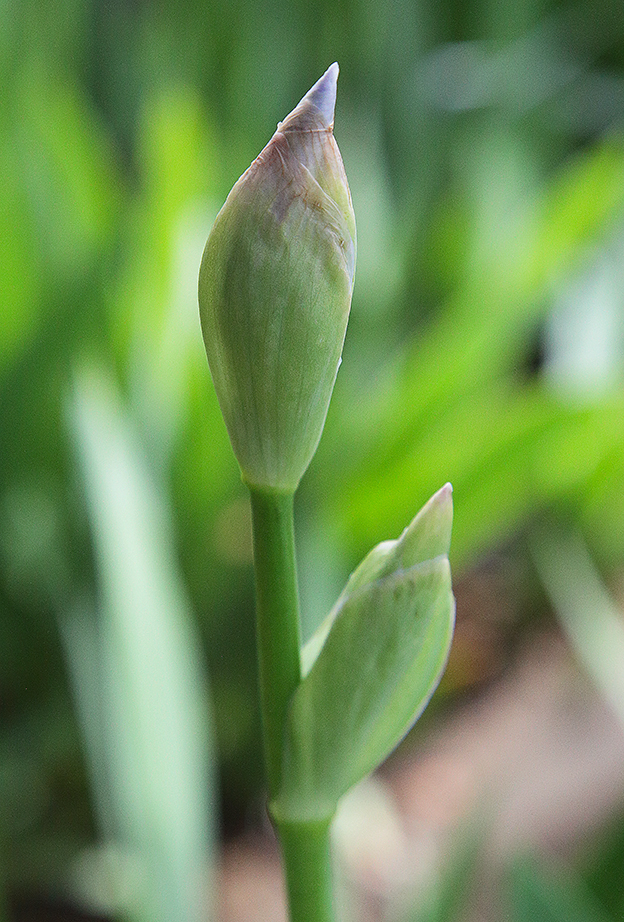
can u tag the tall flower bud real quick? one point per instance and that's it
(275, 290)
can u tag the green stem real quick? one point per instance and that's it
(305, 846)
(277, 619)
(307, 860)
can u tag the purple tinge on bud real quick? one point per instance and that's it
(305, 149)
(275, 292)
(323, 94)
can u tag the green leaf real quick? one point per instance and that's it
(383, 656)
(139, 680)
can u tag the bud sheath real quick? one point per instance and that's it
(275, 293)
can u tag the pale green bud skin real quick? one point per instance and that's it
(370, 668)
(426, 537)
(275, 290)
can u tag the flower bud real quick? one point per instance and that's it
(275, 290)
(370, 668)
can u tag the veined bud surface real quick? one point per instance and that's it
(275, 288)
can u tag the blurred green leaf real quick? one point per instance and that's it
(589, 615)
(445, 899)
(605, 867)
(154, 303)
(147, 715)
(509, 451)
(458, 369)
(75, 186)
(21, 280)
(539, 893)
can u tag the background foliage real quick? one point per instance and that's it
(484, 146)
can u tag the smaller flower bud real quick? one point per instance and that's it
(275, 290)
(370, 668)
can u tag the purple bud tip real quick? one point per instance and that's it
(323, 94)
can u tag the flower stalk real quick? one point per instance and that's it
(277, 620)
(275, 293)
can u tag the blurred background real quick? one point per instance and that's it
(485, 151)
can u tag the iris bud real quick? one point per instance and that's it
(275, 288)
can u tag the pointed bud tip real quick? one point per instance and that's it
(323, 93)
(440, 498)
